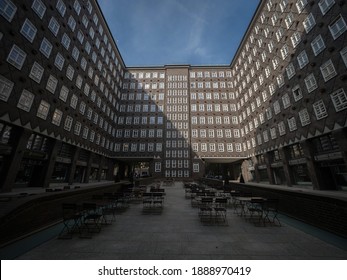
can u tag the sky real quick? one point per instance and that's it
(195, 32)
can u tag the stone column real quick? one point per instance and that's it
(19, 139)
(101, 164)
(270, 173)
(312, 167)
(256, 171)
(52, 155)
(73, 164)
(340, 137)
(286, 167)
(88, 168)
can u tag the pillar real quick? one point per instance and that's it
(312, 167)
(19, 139)
(286, 167)
(49, 168)
(73, 165)
(270, 173)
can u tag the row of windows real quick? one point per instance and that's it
(138, 147)
(212, 107)
(210, 96)
(135, 133)
(146, 75)
(219, 133)
(176, 163)
(210, 120)
(219, 147)
(209, 74)
(178, 173)
(140, 86)
(142, 96)
(141, 108)
(140, 120)
(339, 100)
(215, 85)
(328, 72)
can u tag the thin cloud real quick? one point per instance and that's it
(158, 32)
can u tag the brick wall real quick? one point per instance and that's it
(315, 209)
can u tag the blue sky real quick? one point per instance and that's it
(196, 32)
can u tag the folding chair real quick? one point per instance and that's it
(271, 211)
(205, 214)
(255, 209)
(72, 220)
(91, 220)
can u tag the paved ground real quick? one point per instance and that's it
(177, 233)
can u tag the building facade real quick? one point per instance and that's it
(72, 111)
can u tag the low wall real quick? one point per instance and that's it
(328, 213)
(29, 214)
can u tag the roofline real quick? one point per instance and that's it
(168, 66)
(110, 33)
(248, 30)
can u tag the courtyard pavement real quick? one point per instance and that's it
(177, 233)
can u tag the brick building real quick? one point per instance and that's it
(72, 111)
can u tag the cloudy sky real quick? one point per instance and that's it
(197, 32)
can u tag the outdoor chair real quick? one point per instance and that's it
(271, 211)
(72, 219)
(91, 220)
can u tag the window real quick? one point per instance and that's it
(277, 108)
(325, 5)
(7, 9)
(36, 72)
(16, 57)
(317, 45)
(46, 47)
(6, 87)
(68, 123)
(304, 117)
(292, 124)
(309, 23)
(339, 99)
(57, 116)
(75, 53)
(338, 27)
(286, 100)
(290, 70)
(39, 8)
(72, 23)
(157, 167)
(59, 61)
(295, 38)
(297, 93)
(77, 7)
(73, 101)
(77, 128)
(61, 7)
(65, 40)
(302, 59)
(54, 26)
(343, 54)
(300, 5)
(289, 20)
(273, 133)
(328, 70)
(43, 110)
(281, 128)
(26, 100)
(320, 110)
(52, 83)
(63, 93)
(310, 82)
(70, 72)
